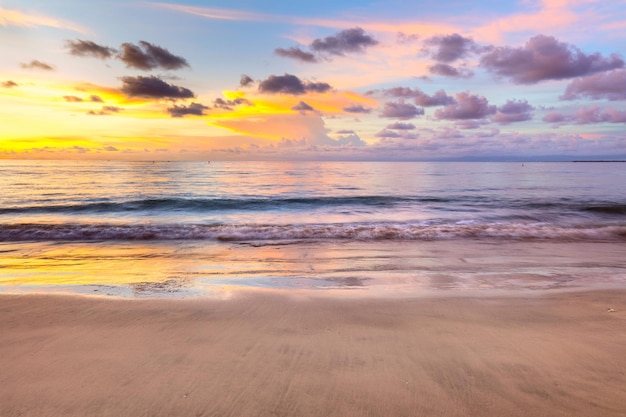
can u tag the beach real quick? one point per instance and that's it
(271, 354)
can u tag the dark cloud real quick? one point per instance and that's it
(449, 48)
(402, 111)
(348, 41)
(609, 85)
(290, 84)
(194, 109)
(147, 56)
(35, 64)
(153, 87)
(245, 80)
(467, 107)
(545, 58)
(72, 99)
(9, 84)
(220, 103)
(296, 53)
(106, 110)
(302, 107)
(96, 99)
(446, 70)
(89, 48)
(401, 126)
(440, 98)
(357, 108)
(513, 111)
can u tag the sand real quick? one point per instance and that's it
(273, 355)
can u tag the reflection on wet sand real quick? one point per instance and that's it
(139, 269)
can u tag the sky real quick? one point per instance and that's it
(326, 80)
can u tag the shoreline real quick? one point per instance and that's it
(278, 355)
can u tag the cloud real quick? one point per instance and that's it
(153, 87)
(88, 48)
(147, 56)
(450, 71)
(439, 98)
(449, 48)
(296, 53)
(9, 84)
(587, 115)
(194, 109)
(106, 110)
(245, 80)
(17, 18)
(402, 111)
(513, 111)
(545, 58)
(302, 107)
(347, 41)
(609, 85)
(401, 126)
(357, 108)
(290, 84)
(72, 99)
(346, 132)
(467, 107)
(220, 103)
(96, 99)
(34, 64)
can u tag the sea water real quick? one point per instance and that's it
(198, 228)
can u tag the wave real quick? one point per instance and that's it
(207, 205)
(302, 232)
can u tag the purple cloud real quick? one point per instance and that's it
(401, 126)
(449, 48)
(290, 84)
(357, 108)
(245, 80)
(402, 111)
(88, 48)
(446, 70)
(545, 58)
(296, 53)
(587, 115)
(153, 87)
(194, 109)
(609, 85)
(147, 56)
(513, 111)
(220, 103)
(440, 98)
(302, 107)
(467, 107)
(554, 117)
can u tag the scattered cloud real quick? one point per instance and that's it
(9, 84)
(401, 111)
(35, 64)
(450, 48)
(609, 85)
(10, 17)
(467, 107)
(106, 110)
(193, 109)
(586, 115)
(220, 103)
(302, 107)
(72, 99)
(348, 41)
(147, 56)
(245, 80)
(401, 126)
(439, 98)
(446, 70)
(357, 108)
(153, 87)
(290, 84)
(545, 58)
(80, 47)
(513, 111)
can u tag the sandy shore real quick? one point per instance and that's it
(270, 355)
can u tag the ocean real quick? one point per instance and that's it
(181, 229)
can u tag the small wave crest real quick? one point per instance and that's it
(303, 232)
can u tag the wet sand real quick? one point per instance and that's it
(560, 354)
